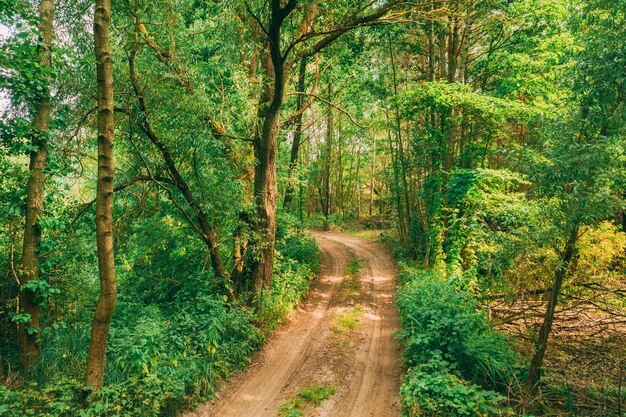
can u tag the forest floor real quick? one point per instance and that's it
(337, 355)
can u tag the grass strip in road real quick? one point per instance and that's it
(346, 321)
(314, 394)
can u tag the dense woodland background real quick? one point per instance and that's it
(485, 141)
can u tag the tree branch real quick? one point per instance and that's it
(330, 104)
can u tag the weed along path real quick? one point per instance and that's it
(337, 356)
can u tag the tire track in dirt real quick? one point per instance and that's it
(362, 366)
(374, 389)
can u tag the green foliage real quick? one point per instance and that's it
(41, 290)
(313, 394)
(432, 390)
(455, 358)
(316, 394)
(346, 321)
(354, 266)
(68, 398)
(297, 263)
(300, 248)
(316, 221)
(168, 354)
(524, 144)
(439, 320)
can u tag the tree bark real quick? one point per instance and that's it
(402, 227)
(534, 373)
(265, 194)
(30, 352)
(399, 142)
(297, 134)
(328, 153)
(265, 148)
(104, 198)
(358, 184)
(372, 175)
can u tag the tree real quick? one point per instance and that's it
(584, 151)
(104, 198)
(30, 352)
(277, 62)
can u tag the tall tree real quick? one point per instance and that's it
(104, 198)
(585, 149)
(277, 63)
(30, 352)
(297, 134)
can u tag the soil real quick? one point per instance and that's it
(360, 362)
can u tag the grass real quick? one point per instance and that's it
(313, 394)
(354, 265)
(345, 322)
(350, 287)
(371, 235)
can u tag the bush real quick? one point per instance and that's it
(457, 360)
(301, 249)
(165, 353)
(439, 320)
(316, 221)
(297, 263)
(432, 390)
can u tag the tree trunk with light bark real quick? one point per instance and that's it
(104, 199)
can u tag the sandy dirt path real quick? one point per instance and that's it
(361, 364)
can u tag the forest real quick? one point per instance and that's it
(283, 208)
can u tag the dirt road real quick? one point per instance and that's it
(340, 339)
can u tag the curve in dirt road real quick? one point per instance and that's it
(339, 342)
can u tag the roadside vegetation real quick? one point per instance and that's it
(170, 349)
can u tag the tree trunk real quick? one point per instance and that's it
(297, 134)
(328, 153)
(453, 40)
(339, 204)
(399, 143)
(431, 47)
(104, 198)
(265, 194)
(534, 374)
(358, 184)
(30, 352)
(402, 227)
(265, 148)
(442, 53)
(372, 176)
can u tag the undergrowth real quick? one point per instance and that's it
(350, 292)
(165, 354)
(458, 364)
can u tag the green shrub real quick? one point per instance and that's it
(431, 390)
(438, 320)
(165, 352)
(301, 249)
(316, 221)
(290, 283)
(457, 361)
(296, 264)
